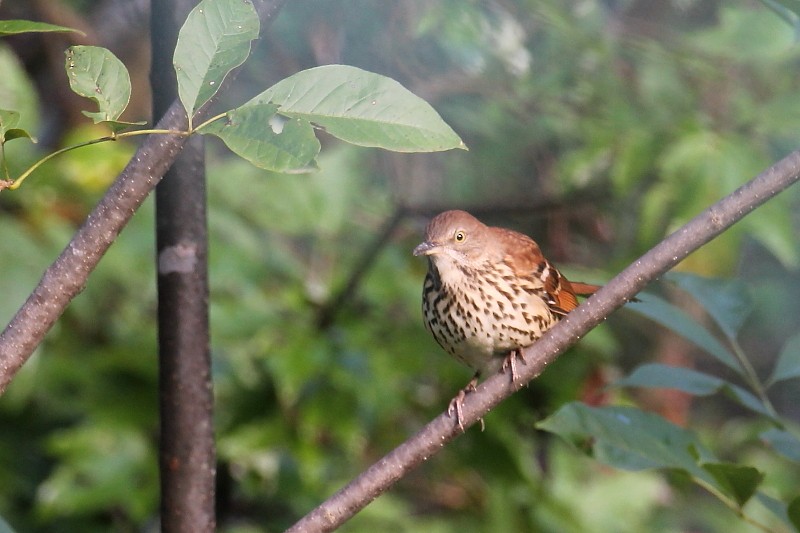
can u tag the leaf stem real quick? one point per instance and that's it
(207, 122)
(739, 511)
(113, 137)
(6, 177)
(751, 377)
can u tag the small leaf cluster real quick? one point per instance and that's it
(274, 131)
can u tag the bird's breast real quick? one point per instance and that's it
(479, 314)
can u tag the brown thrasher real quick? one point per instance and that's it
(489, 292)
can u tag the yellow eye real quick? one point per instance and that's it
(460, 236)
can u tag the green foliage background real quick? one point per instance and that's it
(617, 124)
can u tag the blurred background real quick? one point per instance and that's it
(597, 127)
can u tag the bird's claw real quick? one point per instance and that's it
(457, 403)
(510, 362)
(456, 407)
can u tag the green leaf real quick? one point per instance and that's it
(628, 438)
(774, 228)
(8, 120)
(783, 442)
(775, 506)
(4, 527)
(655, 375)
(17, 91)
(676, 320)
(14, 27)
(8, 127)
(267, 140)
(739, 482)
(792, 6)
(17, 133)
(82, 483)
(726, 300)
(362, 108)
(97, 74)
(746, 398)
(788, 364)
(793, 510)
(214, 40)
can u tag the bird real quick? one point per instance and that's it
(488, 293)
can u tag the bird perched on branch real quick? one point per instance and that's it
(489, 292)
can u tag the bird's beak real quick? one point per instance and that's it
(425, 248)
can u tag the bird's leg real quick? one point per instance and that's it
(456, 404)
(511, 362)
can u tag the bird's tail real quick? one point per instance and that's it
(584, 289)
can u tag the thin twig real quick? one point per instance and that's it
(327, 312)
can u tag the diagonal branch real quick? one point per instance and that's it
(431, 438)
(67, 276)
(330, 309)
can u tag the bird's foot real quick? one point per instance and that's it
(456, 404)
(510, 362)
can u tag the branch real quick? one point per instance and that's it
(431, 438)
(331, 308)
(67, 276)
(187, 453)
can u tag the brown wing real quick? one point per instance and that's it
(563, 299)
(566, 298)
(517, 249)
(526, 256)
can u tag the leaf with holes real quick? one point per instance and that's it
(95, 73)
(362, 108)
(267, 140)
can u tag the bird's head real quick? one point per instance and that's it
(454, 236)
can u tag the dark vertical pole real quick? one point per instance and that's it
(187, 455)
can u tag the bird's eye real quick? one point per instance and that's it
(460, 236)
